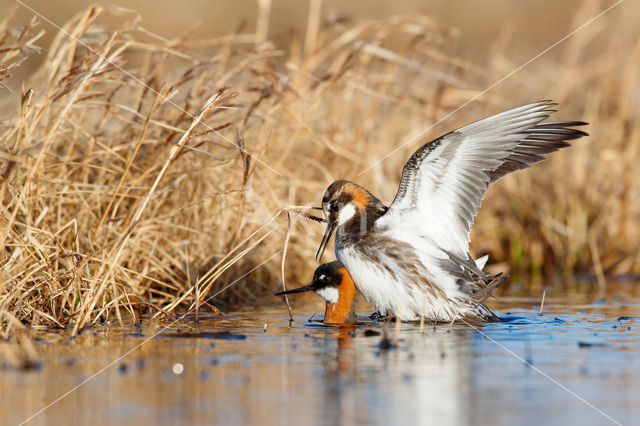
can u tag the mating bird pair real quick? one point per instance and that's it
(412, 259)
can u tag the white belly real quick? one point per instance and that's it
(399, 293)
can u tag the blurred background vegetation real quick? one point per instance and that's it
(115, 201)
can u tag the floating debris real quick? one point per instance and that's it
(592, 345)
(626, 318)
(222, 335)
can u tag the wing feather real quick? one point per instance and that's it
(444, 181)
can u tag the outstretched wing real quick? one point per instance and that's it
(445, 180)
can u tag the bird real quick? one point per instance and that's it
(412, 258)
(332, 282)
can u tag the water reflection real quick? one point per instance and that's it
(424, 377)
(236, 372)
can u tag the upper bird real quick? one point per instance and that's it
(412, 258)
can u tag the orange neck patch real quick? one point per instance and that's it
(344, 309)
(360, 197)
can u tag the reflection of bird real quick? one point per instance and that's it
(332, 282)
(413, 257)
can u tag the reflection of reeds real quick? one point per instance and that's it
(122, 190)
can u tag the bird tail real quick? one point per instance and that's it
(470, 277)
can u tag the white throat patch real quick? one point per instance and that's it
(346, 214)
(329, 294)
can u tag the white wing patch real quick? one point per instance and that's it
(482, 261)
(329, 294)
(443, 183)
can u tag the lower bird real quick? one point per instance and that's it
(412, 258)
(332, 282)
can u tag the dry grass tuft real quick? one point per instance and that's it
(139, 173)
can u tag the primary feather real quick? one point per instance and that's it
(445, 180)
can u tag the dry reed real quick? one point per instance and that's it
(140, 174)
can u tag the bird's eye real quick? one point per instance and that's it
(333, 206)
(323, 278)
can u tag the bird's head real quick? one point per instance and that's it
(343, 204)
(332, 282)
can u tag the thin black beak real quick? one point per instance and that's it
(315, 208)
(325, 241)
(296, 290)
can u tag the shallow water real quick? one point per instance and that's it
(573, 365)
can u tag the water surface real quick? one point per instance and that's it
(578, 363)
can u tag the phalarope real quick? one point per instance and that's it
(332, 282)
(412, 258)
